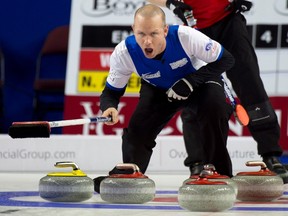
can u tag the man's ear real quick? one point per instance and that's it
(166, 29)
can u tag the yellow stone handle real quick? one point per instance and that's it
(65, 164)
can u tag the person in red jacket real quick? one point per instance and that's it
(223, 21)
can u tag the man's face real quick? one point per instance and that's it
(150, 33)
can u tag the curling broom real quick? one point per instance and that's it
(238, 110)
(37, 129)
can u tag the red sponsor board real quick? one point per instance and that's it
(95, 59)
(88, 106)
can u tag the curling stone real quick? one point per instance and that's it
(214, 176)
(203, 195)
(72, 186)
(132, 188)
(262, 185)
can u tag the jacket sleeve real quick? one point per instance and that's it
(110, 98)
(211, 70)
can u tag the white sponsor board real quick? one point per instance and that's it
(99, 154)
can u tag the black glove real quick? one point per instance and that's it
(178, 9)
(239, 6)
(180, 90)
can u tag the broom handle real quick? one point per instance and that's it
(71, 122)
(228, 93)
(192, 23)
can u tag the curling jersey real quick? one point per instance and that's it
(186, 51)
(208, 12)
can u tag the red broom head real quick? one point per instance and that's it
(36, 129)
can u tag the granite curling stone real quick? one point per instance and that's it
(203, 195)
(214, 176)
(262, 185)
(72, 186)
(135, 188)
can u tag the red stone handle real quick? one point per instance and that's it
(125, 166)
(256, 163)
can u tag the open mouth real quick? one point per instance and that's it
(148, 51)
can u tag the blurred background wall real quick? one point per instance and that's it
(23, 28)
